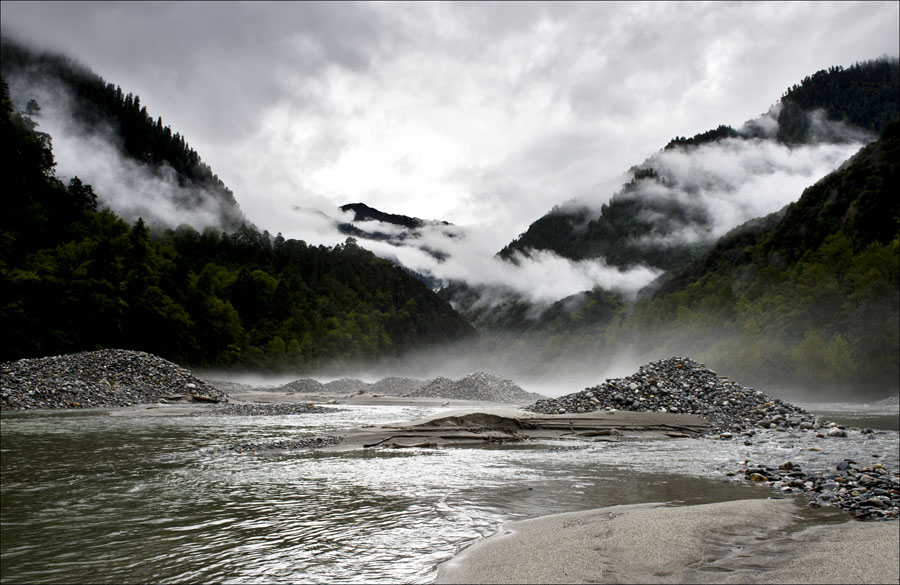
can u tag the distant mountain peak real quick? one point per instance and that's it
(395, 229)
(363, 212)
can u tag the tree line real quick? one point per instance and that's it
(76, 277)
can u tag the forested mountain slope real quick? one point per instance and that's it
(805, 300)
(813, 291)
(97, 108)
(73, 278)
(665, 217)
(858, 201)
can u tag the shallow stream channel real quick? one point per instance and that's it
(92, 498)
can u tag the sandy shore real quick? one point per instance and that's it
(748, 541)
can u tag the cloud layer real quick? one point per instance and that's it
(483, 114)
(477, 113)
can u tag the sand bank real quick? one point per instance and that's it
(747, 541)
(475, 426)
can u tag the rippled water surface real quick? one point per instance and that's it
(88, 497)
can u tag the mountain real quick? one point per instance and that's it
(369, 223)
(804, 301)
(680, 200)
(152, 160)
(810, 295)
(76, 277)
(362, 212)
(857, 201)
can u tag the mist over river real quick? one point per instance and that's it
(88, 497)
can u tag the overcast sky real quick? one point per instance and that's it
(480, 114)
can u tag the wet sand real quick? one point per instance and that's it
(747, 541)
(473, 426)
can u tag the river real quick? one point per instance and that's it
(88, 497)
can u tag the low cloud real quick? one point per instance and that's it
(127, 186)
(728, 182)
(454, 253)
(732, 181)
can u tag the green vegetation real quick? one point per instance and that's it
(865, 96)
(97, 105)
(617, 233)
(723, 131)
(807, 298)
(73, 278)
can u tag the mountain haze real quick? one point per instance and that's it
(145, 169)
(806, 299)
(681, 199)
(76, 276)
(810, 294)
(369, 223)
(768, 251)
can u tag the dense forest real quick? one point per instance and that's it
(806, 298)
(97, 105)
(76, 277)
(810, 295)
(863, 97)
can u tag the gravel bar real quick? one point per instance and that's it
(104, 378)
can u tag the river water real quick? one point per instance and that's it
(88, 497)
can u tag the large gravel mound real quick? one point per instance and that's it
(307, 385)
(681, 385)
(109, 377)
(396, 386)
(477, 386)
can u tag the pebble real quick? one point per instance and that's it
(867, 493)
(317, 442)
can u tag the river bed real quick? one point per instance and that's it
(88, 497)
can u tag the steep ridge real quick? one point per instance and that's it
(809, 296)
(99, 110)
(659, 218)
(806, 300)
(858, 201)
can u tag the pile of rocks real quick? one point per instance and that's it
(396, 386)
(304, 385)
(869, 493)
(346, 386)
(477, 386)
(105, 378)
(264, 409)
(342, 386)
(229, 386)
(681, 385)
